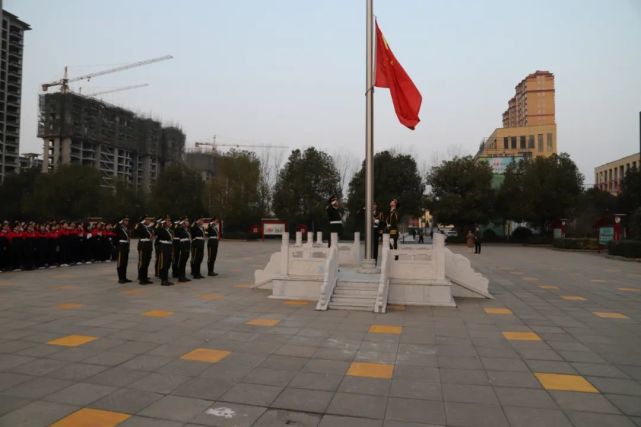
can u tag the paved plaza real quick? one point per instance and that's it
(559, 346)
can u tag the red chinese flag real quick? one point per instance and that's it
(390, 74)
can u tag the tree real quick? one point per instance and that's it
(15, 190)
(237, 192)
(630, 196)
(541, 190)
(178, 192)
(72, 192)
(395, 176)
(304, 185)
(462, 191)
(123, 199)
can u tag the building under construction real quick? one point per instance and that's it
(81, 130)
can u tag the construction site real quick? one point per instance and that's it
(80, 130)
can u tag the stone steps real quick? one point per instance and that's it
(350, 295)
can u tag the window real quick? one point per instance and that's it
(530, 143)
(506, 143)
(513, 141)
(539, 139)
(550, 143)
(522, 142)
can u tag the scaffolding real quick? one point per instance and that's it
(77, 129)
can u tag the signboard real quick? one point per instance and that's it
(499, 164)
(272, 229)
(605, 235)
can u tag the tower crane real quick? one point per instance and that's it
(64, 82)
(214, 144)
(120, 89)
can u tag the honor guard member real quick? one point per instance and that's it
(157, 226)
(145, 246)
(175, 259)
(334, 218)
(165, 238)
(197, 248)
(212, 246)
(378, 227)
(182, 232)
(392, 224)
(122, 249)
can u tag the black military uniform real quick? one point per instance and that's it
(122, 241)
(212, 247)
(378, 227)
(197, 248)
(334, 218)
(392, 226)
(175, 261)
(182, 232)
(145, 246)
(165, 238)
(157, 249)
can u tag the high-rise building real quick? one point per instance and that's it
(81, 130)
(10, 91)
(529, 125)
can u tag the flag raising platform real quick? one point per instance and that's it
(429, 275)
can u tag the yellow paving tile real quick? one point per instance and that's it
(497, 310)
(573, 298)
(295, 302)
(72, 340)
(548, 287)
(134, 292)
(242, 285)
(396, 307)
(564, 382)
(263, 322)
(598, 281)
(69, 306)
(211, 297)
(385, 329)
(629, 289)
(158, 313)
(208, 355)
(87, 417)
(611, 315)
(371, 370)
(521, 336)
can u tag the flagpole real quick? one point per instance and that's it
(368, 262)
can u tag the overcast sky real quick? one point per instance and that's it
(292, 72)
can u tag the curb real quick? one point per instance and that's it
(622, 258)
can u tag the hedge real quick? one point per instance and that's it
(577, 243)
(625, 248)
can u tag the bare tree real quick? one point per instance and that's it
(347, 164)
(271, 160)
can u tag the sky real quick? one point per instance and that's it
(292, 72)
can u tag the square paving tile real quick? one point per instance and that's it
(80, 394)
(208, 355)
(565, 382)
(474, 415)
(420, 411)
(158, 313)
(72, 340)
(36, 414)
(385, 329)
(497, 310)
(284, 418)
(532, 417)
(263, 322)
(371, 370)
(176, 408)
(303, 400)
(358, 405)
(224, 414)
(127, 400)
(252, 394)
(521, 336)
(93, 418)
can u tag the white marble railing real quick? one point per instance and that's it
(331, 275)
(383, 283)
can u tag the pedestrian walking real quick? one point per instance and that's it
(477, 240)
(392, 223)
(334, 218)
(378, 227)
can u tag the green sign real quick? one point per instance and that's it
(605, 235)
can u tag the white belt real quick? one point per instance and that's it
(145, 240)
(336, 222)
(199, 238)
(176, 238)
(184, 240)
(123, 241)
(166, 242)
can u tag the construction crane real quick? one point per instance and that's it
(64, 82)
(120, 89)
(214, 144)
